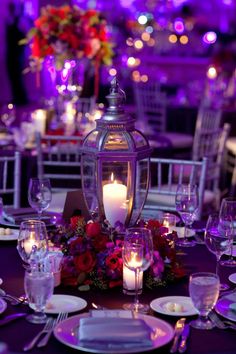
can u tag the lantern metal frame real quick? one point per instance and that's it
(115, 140)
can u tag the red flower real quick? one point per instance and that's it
(100, 242)
(93, 229)
(75, 221)
(85, 262)
(114, 261)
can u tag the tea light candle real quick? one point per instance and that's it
(39, 120)
(169, 221)
(30, 243)
(114, 201)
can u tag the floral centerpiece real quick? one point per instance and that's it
(92, 259)
(68, 32)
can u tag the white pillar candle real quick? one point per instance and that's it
(129, 279)
(114, 201)
(39, 120)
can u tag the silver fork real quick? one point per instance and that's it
(61, 317)
(46, 329)
(222, 324)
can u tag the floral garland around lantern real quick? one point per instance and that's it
(68, 32)
(91, 259)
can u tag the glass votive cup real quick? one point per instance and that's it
(169, 221)
(129, 281)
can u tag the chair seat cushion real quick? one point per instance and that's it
(231, 145)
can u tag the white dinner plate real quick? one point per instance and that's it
(232, 278)
(11, 237)
(3, 305)
(160, 305)
(222, 306)
(233, 253)
(65, 303)
(180, 231)
(66, 330)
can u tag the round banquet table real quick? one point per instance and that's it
(19, 332)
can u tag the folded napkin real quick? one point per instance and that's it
(110, 333)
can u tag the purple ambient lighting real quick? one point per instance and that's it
(179, 25)
(210, 37)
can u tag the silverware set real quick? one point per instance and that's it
(47, 331)
(181, 335)
(219, 323)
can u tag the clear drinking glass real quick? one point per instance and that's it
(186, 201)
(39, 194)
(228, 211)
(217, 240)
(142, 237)
(32, 243)
(204, 291)
(38, 288)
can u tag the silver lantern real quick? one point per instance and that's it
(115, 164)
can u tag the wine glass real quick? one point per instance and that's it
(204, 291)
(32, 243)
(39, 288)
(217, 240)
(8, 115)
(135, 237)
(228, 210)
(39, 194)
(186, 201)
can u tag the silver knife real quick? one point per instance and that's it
(11, 318)
(184, 337)
(178, 331)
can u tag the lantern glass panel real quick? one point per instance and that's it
(89, 183)
(142, 178)
(116, 141)
(139, 139)
(91, 139)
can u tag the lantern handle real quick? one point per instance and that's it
(115, 88)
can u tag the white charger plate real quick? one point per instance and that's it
(11, 237)
(159, 305)
(3, 305)
(232, 278)
(222, 306)
(65, 332)
(65, 303)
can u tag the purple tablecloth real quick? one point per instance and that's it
(198, 258)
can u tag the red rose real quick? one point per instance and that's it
(85, 262)
(75, 221)
(100, 242)
(93, 229)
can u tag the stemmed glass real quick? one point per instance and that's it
(218, 240)
(228, 210)
(137, 256)
(204, 291)
(39, 194)
(8, 115)
(32, 243)
(39, 288)
(186, 201)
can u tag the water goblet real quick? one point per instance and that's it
(143, 237)
(8, 115)
(39, 194)
(38, 288)
(204, 291)
(217, 240)
(228, 210)
(186, 201)
(32, 243)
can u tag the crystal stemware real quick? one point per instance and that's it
(228, 211)
(204, 292)
(135, 237)
(38, 288)
(186, 201)
(32, 243)
(217, 240)
(39, 194)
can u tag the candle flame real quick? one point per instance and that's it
(112, 177)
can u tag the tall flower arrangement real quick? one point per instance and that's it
(68, 32)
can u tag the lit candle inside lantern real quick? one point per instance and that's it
(169, 221)
(114, 201)
(39, 119)
(129, 275)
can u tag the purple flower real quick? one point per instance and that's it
(158, 266)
